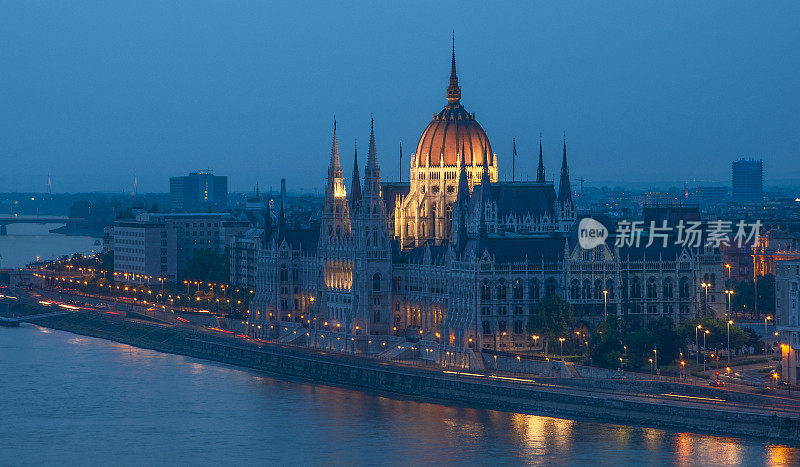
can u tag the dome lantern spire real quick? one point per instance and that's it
(453, 90)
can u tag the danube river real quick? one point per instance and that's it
(70, 399)
(25, 242)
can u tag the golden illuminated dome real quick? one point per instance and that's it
(451, 130)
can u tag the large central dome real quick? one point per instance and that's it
(451, 130)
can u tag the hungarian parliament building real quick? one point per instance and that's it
(456, 256)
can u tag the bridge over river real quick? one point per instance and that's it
(6, 220)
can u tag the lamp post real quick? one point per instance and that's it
(728, 293)
(561, 341)
(651, 366)
(705, 304)
(766, 318)
(697, 344)
(655, 357)
(605, 304)
(729, 341)
(704, 349)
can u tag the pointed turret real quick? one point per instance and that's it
(355, 187)
(335, 172)
(462, 197)
(540, 170)
(336, 212)
(335, 162)
(485, 177)
(267, 226)
(281, 225)
(564, 189)
(372, 173)
(453, 90)
(483, 235)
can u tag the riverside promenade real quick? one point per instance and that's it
(648, 403)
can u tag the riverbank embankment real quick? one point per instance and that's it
(538, 396)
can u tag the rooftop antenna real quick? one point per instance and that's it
(581, 180)
(49, 185)
(514, 162)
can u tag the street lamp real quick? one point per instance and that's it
(651, 366)
(766, 318)
(605, 304)
(697, 344)
(705, 305)
(728, 293)
(704, 348)
(729, 341)
(561, 341)
(655, 357)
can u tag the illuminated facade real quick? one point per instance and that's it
(456, 257)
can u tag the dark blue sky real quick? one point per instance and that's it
(648, 92)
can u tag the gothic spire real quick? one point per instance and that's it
(453, 90)
(335, 162)
(483, 235)
(564, 189)
(540, 171)
(485, 178)
(355, 188)
(463, 185)
(281, 224)
(267, 226)
(372, 173)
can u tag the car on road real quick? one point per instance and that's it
(718, 383)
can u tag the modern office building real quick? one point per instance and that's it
(144, 251)
(748, 181)
(787, 318)
(198, 192)
(158, 245)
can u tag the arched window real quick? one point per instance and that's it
(486, 291)
(667, 287)
(533, 289)
(501, 290)
(652, 289)
(636, 288)
(517, 292)
(610, 288)
(284, 273)
(550, 287)
(587, 289)
(684, 287)
(376, 282)
(574, 290)
(295, 275)
(598, 289)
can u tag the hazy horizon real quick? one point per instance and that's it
(646, 93)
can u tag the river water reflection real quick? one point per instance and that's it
(73, 399)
